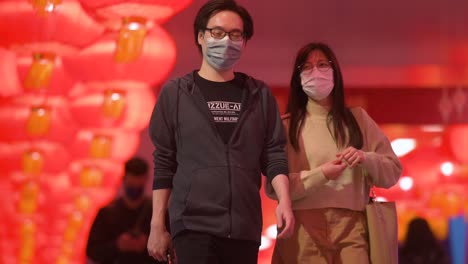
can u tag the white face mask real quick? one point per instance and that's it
(316, 84)
(223, 54)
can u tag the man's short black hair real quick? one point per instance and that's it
(136, 167)
(213, 7)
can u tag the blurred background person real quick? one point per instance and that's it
(120, 231)
(421, 246)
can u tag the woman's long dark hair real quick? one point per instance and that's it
(421, 246)
(340, 117)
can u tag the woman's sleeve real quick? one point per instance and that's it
(381, 163)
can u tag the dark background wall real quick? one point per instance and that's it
(378, 43)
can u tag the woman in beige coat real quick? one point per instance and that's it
(335, 155)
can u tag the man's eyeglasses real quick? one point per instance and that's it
(321, 65)
(219, 33)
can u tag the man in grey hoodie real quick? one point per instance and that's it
(215, 131)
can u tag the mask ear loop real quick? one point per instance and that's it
(201, 37)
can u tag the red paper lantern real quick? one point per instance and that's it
(125, 106)
(32, 118)
(33, 158)
(105, 144)
(61, 30)
(96, 63)
(91, 174)
(396, 192)
(44, 29)
(457, 139)
(424, 166)
(77, 198)
(35, 197)
(10, 83)
(111, 12)
(8, 201)
(63, 142)
(46, 77)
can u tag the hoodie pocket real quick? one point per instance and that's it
(209, 192)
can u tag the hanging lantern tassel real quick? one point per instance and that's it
(101, 147)
(75, 222)
(28, 198)
(39, 73)
(66, 252)
(38, 123)
(114, 103)
(33, 162)
(28, 230)
(63, 259)
(82, 203)
(90, 177)
(43, 7)
(131, 39)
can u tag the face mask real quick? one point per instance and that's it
(222, 54)
(316, 84)
(133, 193)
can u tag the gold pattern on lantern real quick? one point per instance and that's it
(101, 147)
(27, 250)
(28, 198)
(45, 6)
(82, 203)
(62, 260)
(38, 122)
(32, 162)
(114, 103)
(39, 73)
(75, 221)
(28, 230)
(131, 39)
(90, 177)
(66, 250)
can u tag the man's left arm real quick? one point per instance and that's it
(275, 165)
(284, 215)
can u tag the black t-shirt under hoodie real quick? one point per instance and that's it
(224, 100)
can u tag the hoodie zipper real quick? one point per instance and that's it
(243, 113)
(230, 189)
(228, 160)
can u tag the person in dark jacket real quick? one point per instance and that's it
(120, 230)
(215, 131)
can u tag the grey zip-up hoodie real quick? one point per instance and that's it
(215, 186)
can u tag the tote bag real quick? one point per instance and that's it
(383, 231)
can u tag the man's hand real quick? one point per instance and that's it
(159, 243)
(284, 219)
(333, 169)
(284, 215)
